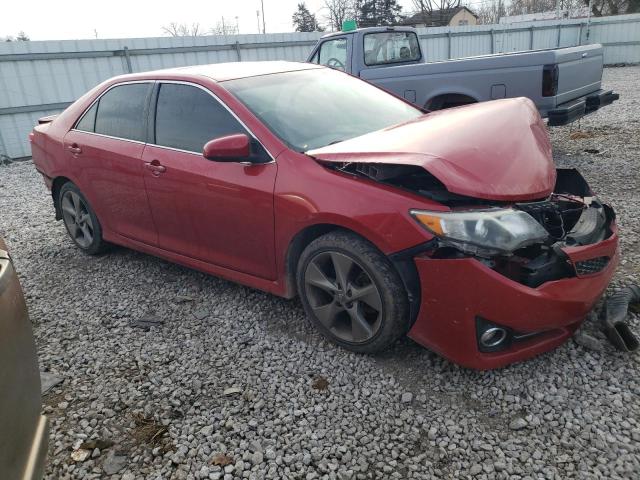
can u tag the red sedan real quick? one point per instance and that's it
(452, 227)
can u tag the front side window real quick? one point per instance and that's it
(187, 117)
(390, 47)
(122, 110)
(333, 53)
(312, 108)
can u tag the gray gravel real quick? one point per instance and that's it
(169, 373)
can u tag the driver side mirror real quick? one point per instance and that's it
(230, 148)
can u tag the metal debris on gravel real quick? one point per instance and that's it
(580, 407)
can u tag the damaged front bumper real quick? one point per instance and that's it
(486, 313)
(457, 292)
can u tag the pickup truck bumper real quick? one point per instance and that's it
(568, 112)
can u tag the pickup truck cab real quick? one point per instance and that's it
(564, 83)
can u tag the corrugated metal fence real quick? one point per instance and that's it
(42, 78)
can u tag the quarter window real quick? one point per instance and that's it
(187, 117)
(122, 110)
(88, 122)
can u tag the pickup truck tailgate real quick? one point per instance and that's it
(579, 71)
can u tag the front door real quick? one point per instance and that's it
(105, 153)
(221, 213)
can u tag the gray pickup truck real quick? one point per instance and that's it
(564, 83)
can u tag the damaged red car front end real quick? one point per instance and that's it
(487, 302)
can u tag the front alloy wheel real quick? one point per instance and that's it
(352, 293)
(343, 296)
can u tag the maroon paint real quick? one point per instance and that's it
(238, 221)
(230, 147)
(496, 150)
(456, 291)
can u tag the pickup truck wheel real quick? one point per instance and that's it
(352, 293)
(80, 220)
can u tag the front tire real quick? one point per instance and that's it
(80, 220)
(352, 293)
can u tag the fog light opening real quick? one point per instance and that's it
(492, 337)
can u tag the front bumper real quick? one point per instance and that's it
(455, 292)
(570, 111)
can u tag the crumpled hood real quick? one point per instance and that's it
(497, 150)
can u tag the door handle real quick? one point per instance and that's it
(155, 167)
(75, 149)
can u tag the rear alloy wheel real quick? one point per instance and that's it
(352, 293)
(81, 223)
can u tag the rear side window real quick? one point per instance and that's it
(88, 122)
(187, 117)
(122, 110)
(390, 47)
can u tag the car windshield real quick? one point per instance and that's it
(309, 109)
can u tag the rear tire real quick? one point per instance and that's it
(80, 220)
(352, 293)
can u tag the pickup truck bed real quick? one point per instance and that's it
(564, 83)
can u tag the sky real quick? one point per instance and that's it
(79, 19)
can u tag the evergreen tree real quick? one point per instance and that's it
(304, 20)
(374, 13)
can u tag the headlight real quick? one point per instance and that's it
(498, 230)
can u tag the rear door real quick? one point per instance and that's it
(105, 150)
(19, 376)
(217, 212)
(579, 71)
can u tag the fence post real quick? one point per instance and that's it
(531, 37)
(580, 34)
(449, 46)
(493, 48)
(559, 34)
(127, 57)
(238, 51)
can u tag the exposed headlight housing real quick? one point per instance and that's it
(495, 231)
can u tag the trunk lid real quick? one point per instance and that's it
(496, 150)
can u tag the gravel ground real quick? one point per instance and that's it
(232, 382)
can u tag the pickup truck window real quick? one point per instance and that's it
(333, 53)
(390, 47)
(308, 109)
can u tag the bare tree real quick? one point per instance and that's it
(224, 28)
(21, 37)
(427, 7)
(521, 7)
(489, 13)
(339, 11)
(175, 29)
(601, 8)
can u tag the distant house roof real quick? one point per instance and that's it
(437, 18)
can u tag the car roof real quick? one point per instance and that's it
(221, 72)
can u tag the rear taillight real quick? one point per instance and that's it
(549, 80)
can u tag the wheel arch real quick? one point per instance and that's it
(297, 245)
(445, 100)
(401, 261)
(56, 186)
